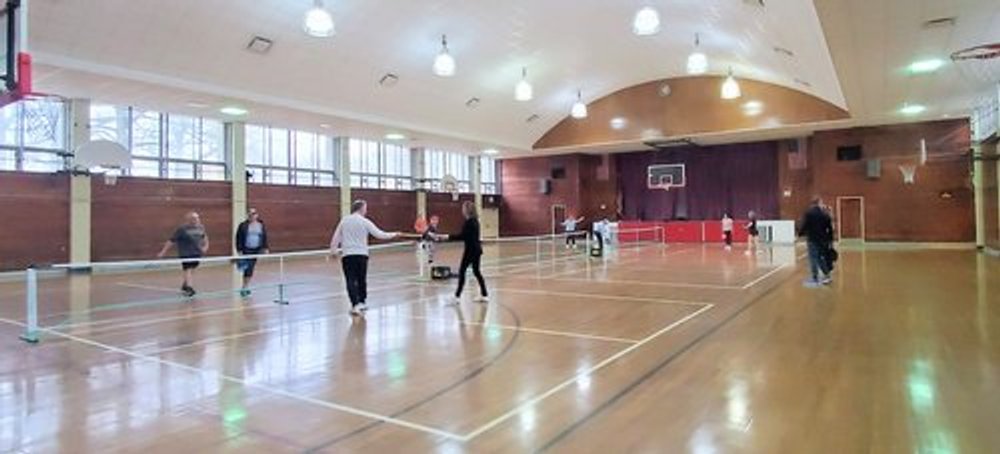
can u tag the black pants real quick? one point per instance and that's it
(472, 260)
(728, 234)
(356, 275)
(570, 239)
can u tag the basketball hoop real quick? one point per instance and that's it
(102, 157)
(111, 177)
(666, 176)
(909, 172)
(449, 184)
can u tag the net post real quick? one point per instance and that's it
(281, 282)
(31, 300)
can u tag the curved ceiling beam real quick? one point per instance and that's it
(691, 106)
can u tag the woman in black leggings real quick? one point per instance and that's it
(472, 254)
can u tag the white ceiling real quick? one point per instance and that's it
(873, 41)
(196, 47)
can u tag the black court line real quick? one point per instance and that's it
(657, 368)
(465, 379)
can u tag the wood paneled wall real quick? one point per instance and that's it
(525, 210)
(893, 211)
(132, 219)
(390, 210)
(35, 222)
(449, 211)
(297, 218)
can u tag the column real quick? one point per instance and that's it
(236, 154)
(79, 185)
(344, 172)
(978, 196)
(477, 182)
(418, 179)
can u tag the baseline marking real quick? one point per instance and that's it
(530, 402)
(239, 381)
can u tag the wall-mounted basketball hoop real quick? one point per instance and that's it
(102, 157)
(666, 176)
(909, 172)
(449, 184)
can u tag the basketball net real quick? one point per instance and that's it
(453, 189)
(909, 172)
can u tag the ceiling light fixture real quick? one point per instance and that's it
(697, 61)
(731, 88)
(523, 90)
(912, 109)
(233, 110)
(394, 136)
(388, 80)
(318, 21)
(579, 109)
(753, 108)
(646, 21)
(490, 151)
(618, 123)
(925, 66)
(444, 63)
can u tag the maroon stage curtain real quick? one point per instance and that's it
(733, 178)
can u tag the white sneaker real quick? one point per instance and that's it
(363, 307)
(454, 301)
(826, 280)
(482, 299)
(356, 311)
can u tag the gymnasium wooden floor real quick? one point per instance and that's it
(685, 348)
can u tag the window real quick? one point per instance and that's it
(380, 165)
(163, 145)
(281, 156)
(33, 136)
(438, 163)
(488, 170)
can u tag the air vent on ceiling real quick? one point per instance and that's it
(673, 143)
(803, 82)
(940, 22)
(388, 80)
(532, 118)
(758, 3)
(472, 103)
(784, 51)
(259, 45)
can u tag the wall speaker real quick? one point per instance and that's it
(873, 169)
(545, 186)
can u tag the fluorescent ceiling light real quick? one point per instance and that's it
(318, 21)
(394, 136)
(646, 21)
(753, 108)
(491, 151)
(233, 110)
(618, 123)
(925, 66)
(912, 109)
(444, 63)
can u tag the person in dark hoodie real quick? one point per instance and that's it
(251, 239)
(473, 253)
(817, 227)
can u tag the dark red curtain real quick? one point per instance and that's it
(721, 179)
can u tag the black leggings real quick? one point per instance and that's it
(356, 274)
(470, 260)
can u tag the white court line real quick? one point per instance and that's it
(657, 284)
(525, 329)
(604, 297)
(530, 402)
(148, 287)
(108, 324)
(765, 276)
(240, 381)
(640, 257)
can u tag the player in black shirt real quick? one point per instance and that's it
(192, 243)
(473, 253)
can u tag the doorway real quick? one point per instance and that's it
(558, 216)
(850, 218)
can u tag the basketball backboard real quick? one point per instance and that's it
(666, 176)
(15, 72)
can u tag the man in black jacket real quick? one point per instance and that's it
(817, 227)
(251, 239)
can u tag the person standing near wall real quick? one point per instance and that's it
(727, 231)
(192, 243)
(472, 254)
(350, 240)
(569, 227)
(251, 239)
(753, 233)
(817, 227)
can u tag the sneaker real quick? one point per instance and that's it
(363, 307)
(482, 299)
(811, 283)
(356, 311)
(455, 301)
(188, 291)
(826, 280)
(244, 292)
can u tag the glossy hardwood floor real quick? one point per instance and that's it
(680, 349)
